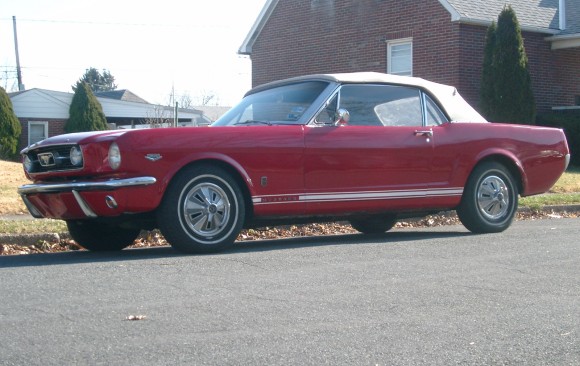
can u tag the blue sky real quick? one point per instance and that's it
(151, 48)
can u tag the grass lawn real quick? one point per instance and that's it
(569, 182)
(36, 226)
(565, 192)
(11, 176)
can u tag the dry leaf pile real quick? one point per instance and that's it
(154, 238)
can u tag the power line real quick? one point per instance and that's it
(103, 23)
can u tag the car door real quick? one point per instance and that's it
(380, 160)
(449, 168)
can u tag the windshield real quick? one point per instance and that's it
(279, 105)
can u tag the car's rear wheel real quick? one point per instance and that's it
(97, 237)
(374, 224)
(490, 199)
(203, 210)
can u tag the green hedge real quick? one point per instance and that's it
(571, 125)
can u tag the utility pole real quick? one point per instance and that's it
(175, 118)
(18, 72)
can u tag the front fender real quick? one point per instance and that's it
(206, 157)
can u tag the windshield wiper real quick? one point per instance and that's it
(253, 121)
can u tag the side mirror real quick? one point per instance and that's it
(342, 117)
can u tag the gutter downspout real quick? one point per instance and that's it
(562, 12)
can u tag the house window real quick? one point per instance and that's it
(400, 57)
(37, 131)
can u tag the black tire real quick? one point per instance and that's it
(215, 214)
(490, 199)
(99, 237)
(374, 224)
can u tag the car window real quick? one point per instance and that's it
(285, 104)
(382, 105)
(328, 114)
(434, 115)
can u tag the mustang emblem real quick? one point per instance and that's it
(153, 157)
(46, 159)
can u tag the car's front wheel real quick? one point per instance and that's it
(203, 210)
(97, 237)
(490, 199)
(374, 224)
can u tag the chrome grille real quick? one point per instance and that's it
(51, 159)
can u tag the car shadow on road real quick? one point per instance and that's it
(83, 256)
(346, 239)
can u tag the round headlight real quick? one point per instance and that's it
(114, 156)
(27, 162)
(76, 156)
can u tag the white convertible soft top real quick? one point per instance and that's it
(456, 107)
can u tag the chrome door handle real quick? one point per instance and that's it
(428, 133)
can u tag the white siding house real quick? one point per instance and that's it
(43, 113)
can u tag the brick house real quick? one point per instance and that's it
(43, 113)
(439, 40)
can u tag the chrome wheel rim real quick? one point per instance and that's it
(493, 198)
(206, 209)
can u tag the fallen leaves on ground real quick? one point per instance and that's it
(154, 238)
(41, 247)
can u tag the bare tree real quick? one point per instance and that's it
(206, 97)
(185, 101)
(157, 117)
(5, 80)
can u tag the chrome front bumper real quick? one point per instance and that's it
(109, 185)
(76, 187)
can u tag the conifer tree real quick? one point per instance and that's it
(487, 91)
(85, 113)
(512, 99)
(97, 81)
(10, 129)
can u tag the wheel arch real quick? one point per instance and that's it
(231, 167)
(512, 164)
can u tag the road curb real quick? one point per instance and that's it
(27, 240)
(554, 208)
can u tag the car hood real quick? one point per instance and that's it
(77, 138)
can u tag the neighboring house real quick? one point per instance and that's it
(439, 40)
(123, 94)
(43, 113)
(212, 112)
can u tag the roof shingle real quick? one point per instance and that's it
(122, 94)
(539, 14)
(572, 17)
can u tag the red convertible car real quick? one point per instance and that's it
(369, 148)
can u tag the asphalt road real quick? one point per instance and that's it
(438, 296)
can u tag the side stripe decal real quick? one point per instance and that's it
(355, 196)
